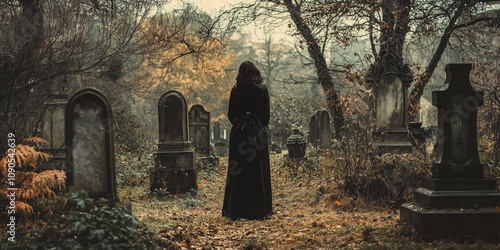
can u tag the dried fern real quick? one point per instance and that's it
(37, 142)
(31, 186)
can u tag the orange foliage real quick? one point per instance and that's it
(31, 183)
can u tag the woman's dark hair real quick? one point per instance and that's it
(248, 73)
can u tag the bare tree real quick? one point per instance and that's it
(42, 42)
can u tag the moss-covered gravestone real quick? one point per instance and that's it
(457, 201)
(174, 160)
(90, 162)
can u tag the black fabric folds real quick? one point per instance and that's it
(248, 183)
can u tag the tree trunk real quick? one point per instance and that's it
(424, 78)
(324, 77)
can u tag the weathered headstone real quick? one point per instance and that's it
(313, 137)
(199, 132)
(90, 161)
(391, 107)
(457, 200)
(199, 129)
(219, 142)
(325, 136)
(174, 164)
(320, 130)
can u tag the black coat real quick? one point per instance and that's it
(248, 183)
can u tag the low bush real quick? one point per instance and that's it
(85, 223)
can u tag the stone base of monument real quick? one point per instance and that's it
(174, 172)
(208, 162)
(457, 208)
(392, 140)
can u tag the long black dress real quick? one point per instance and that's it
(248, 183)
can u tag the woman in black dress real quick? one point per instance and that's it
(248, 182)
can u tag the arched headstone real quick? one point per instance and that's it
(89, 144)
(313, 136)
(174, 160)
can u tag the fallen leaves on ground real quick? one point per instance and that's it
(299, 221)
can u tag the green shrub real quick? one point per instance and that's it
(86, 223)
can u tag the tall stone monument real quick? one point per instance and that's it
(457, 201)
(174, 160)
(90, 162)
(390, 81)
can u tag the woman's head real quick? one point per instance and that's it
(249, 73)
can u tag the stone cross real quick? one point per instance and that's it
(90, 160)
(457, 200)
(457, 104)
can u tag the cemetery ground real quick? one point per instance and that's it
(303, 218)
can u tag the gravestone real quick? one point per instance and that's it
(199, 129)
(457, 201)
(313, 137)
(90, 161)
(174, 160)
(199, 133)
(325, 136)
(219, 142)
(391, 106)
(320, 130)
(53, 124)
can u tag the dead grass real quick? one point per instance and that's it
(299, 222)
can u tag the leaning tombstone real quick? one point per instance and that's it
(90, 163)
(457, 201)
(174, 160)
